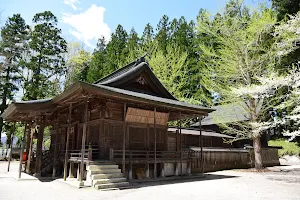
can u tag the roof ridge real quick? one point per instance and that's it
(131, 64)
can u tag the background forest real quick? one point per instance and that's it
(237, 55)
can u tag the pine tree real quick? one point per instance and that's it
(14, 36)
(97, 67)
(163, 32)
(285, 7)
(147, 39)
(46, 62)
(132, 49)
(170, 66)
(115, 50)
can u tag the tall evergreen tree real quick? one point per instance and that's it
(14, 36)
(46, 61)
(170, 66)
(284, 7)
(97, 67)
(115, 50)
(163, 32)
(147, 39)
(132, 49)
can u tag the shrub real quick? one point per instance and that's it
(288, 148)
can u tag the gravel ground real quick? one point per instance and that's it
(231, 184)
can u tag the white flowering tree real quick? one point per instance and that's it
(286, 38)
(241, 59)
(291, 104)
(243, 71)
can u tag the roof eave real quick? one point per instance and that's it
(92, 88)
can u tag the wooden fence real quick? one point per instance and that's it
(221, 159)
(138, 156)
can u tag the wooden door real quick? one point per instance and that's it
(137, 138)
(112, 137)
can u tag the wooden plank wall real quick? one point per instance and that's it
(215, 160)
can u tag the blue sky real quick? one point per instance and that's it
(87, 20)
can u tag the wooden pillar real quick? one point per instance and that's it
(176, 168)
(162, 173)
(55, 147)
(67, 142)
(39, 150)
(22, 150)
(71, 170)
(83, 142)
(155, 165)
(189, 168)
(147, 170)
(148, 138)
(124, 140)
(28, 139)
(130, 168)
(180, 144)
(78, 172)
(11, 145)
(201, 146)
(30, 151)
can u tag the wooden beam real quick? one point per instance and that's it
(67, 142)
(22, 150)
(124, 140)
(155, 164)
(83, 143)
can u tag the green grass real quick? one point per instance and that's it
(289, 148)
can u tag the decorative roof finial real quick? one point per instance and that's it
(142, 58)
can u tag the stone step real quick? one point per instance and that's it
(100, 167)
(111, 185)
(108, 180)
(105, 176)
(102, 163)
(104, 171)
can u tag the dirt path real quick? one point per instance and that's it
(218, 185)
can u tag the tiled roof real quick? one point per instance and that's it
(120, 77)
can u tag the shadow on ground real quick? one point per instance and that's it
(158, 182)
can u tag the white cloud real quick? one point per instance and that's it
(72, 3)
(88, 25)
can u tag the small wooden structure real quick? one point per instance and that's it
(122, 118)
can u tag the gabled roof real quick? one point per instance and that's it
(137, 77)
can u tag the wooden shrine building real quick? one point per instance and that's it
(121, 119)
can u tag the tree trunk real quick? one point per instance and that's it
(257, 153)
